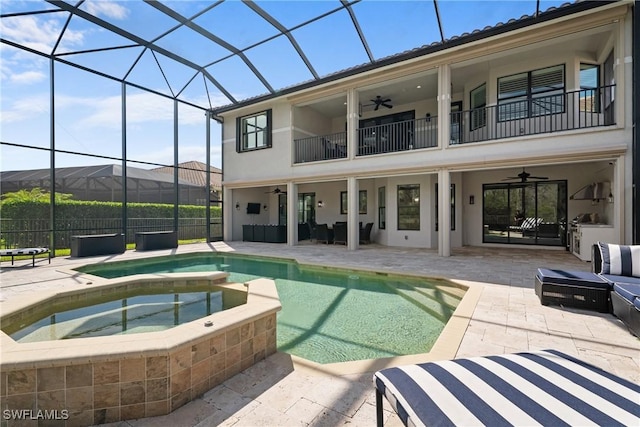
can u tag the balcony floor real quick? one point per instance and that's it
(508, 317)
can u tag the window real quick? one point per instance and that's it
(254, 132)
(453, 206)
(409, 207)
(362, 202)
(478, 102)
(589, 92)
(531, 94)
(382, 203)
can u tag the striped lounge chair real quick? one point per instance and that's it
(534, 388)
(26, 251)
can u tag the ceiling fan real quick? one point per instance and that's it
(378, 101)
(524, 176)
(276, 190)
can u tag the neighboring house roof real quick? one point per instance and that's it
(99, 171)
(195, 172)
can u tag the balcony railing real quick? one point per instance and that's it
(399, 136)
(579, 109)
(324, 147)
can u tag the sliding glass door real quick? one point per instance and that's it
(532, 213)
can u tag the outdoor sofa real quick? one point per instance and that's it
(613, 285)
(619, 265)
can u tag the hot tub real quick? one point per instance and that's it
(107, 379)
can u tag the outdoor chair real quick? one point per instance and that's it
(541, 387)
(322, 233)
(365, 233)
(340, 233)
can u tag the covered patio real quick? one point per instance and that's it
(283, 390)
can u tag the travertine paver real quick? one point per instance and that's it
(278, 392)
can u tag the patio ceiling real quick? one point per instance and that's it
(219, 55)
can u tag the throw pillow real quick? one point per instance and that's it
(621, 260)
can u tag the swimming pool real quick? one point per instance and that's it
(328, 315)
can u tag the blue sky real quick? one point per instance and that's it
(88, 107)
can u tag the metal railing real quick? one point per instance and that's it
(399, 136)
(324, 147)
(579, 109)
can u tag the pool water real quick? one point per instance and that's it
(328, 315)
(154, 309)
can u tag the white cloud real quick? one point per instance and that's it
(107, 8)
(38, 33)
(28, 77)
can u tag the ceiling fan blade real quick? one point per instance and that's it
(377, 106)
(387, 105)
(539, 177)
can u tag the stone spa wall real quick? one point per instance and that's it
(97, 380)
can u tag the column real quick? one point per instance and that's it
(353, 213)
(292, 214)
(444, 212)
(228, 207)
(353, 118)
(444, 105)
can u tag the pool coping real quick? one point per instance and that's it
(261, 298)
(445, 347)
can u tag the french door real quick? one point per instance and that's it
(533, 213)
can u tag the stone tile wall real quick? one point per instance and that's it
(135, 386)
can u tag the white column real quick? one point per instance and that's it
(227, 213)
(444, 212)
(444, 105)
(353, 118)
(353, 213)
(292, 214)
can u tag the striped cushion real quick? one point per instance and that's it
(544, 387)
(622, 260)
(23, 251)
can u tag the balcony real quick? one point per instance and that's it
(582, 109)
(323, 147)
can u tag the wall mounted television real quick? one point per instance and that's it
(253, 208)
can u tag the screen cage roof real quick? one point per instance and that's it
(222, 54)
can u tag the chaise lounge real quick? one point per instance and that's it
(530, 388)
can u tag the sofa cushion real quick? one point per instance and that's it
(571, 278)
(628, 291)
(623, 260)
(614, 278)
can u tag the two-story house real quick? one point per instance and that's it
(517, 134)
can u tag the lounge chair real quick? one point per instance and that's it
(26, 251)
(530, 388)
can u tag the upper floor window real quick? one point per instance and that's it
(254, 131)
(589, 92)
(531, 94)
(478, 102)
